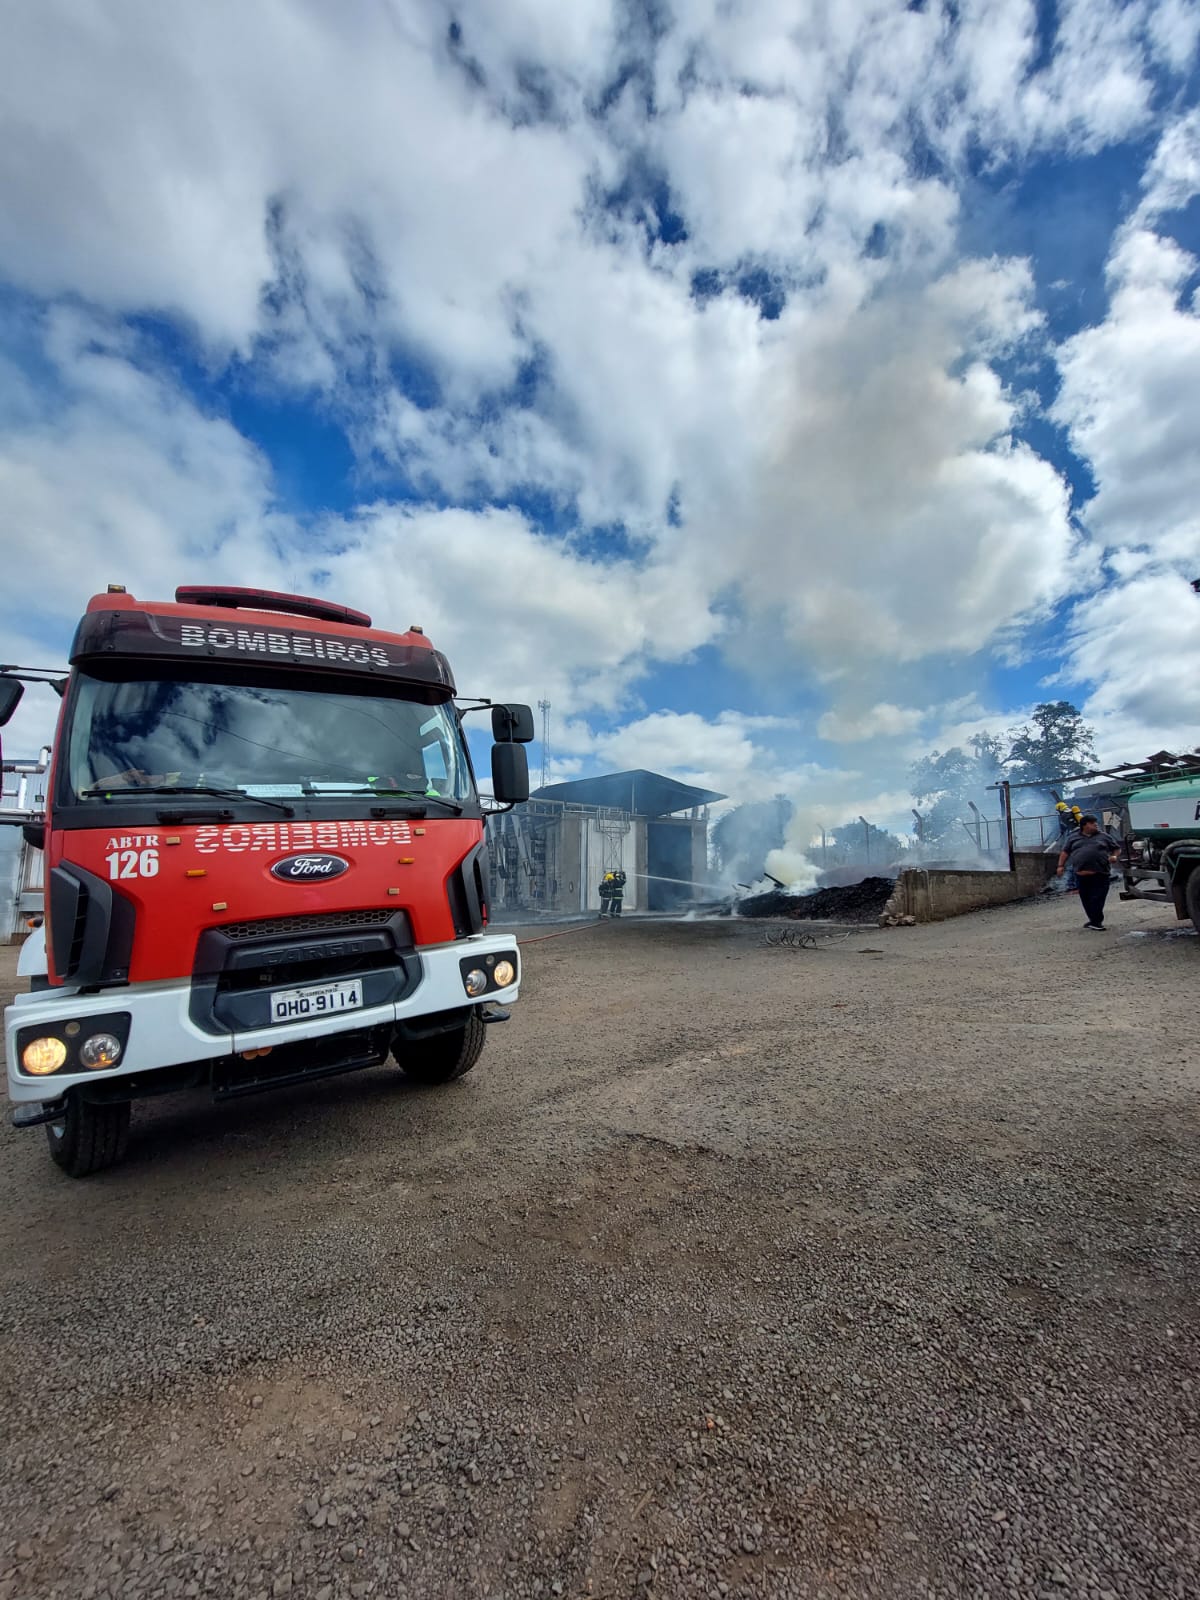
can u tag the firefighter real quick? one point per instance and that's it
(1074, 818)
(618, 892)
(1066, 823)
(606, 894)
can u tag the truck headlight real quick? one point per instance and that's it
(475, 982)
(43, 1056)
(504, 973)
(101, 1050)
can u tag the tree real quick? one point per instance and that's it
(954, 771)
(989, 750)
(1058, 744)
(944, 781)
(854, 845)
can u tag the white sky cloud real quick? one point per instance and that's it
(880, 721)
(1173, 175)
(111, 474)
(332, 202)
(515, 609)
(1128, 400)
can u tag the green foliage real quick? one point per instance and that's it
(852, 845)
(955, 771)
(1058, 744)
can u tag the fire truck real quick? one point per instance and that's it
(264, 862)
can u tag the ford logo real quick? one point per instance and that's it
(309, 868)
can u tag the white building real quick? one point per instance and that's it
(551, 853)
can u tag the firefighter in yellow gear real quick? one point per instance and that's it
(612, 892)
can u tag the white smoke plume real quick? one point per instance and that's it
(793, 866)
(795, 870)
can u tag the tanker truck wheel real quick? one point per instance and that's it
(1192, 897)
(88, 1137)
(443, 1056)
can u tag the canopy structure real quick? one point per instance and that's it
(640, 793)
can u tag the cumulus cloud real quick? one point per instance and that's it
(1139, 644)
(879, 721)
(893, 513)
(1127, 400)
(520, 614)
(691, 277)
(1173, 175)
(1174, 30)
(109, 472)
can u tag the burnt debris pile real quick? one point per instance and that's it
(851, 902)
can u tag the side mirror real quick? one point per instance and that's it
(11, 690)
(510, 773)
(512, 724)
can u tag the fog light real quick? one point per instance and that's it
(41, 1056)
(504, 974)
(101, 1050)
(475, 981)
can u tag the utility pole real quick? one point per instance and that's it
(1008, 825)
(544, 708)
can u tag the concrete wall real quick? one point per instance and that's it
(931, 894)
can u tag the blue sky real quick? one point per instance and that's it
(780, 390)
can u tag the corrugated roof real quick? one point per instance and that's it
(642, 793)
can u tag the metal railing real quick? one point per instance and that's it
(989, 835)
(22, 798)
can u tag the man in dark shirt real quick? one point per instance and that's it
(1090, 853)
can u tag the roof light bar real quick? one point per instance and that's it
(296, 605)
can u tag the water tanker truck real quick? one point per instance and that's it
(264, 853)
(1160, 859)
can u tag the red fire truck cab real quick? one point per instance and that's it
(265, 862)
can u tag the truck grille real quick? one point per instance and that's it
(317, 922)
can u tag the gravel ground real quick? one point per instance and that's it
(866, 1270)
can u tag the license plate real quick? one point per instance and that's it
(318, 1000)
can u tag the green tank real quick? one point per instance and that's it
(1164, 812)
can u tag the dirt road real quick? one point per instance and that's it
(731, 1271)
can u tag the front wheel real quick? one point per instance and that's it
(1192, 897)
(88, 1137)
(443, 1056)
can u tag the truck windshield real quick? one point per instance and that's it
(265, 739)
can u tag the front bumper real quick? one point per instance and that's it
(163, 1036)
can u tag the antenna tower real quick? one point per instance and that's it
(544, 708)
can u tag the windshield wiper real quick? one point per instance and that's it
(417, 795)
(99, 791)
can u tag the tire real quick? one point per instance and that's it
(89, 1137)
(1191, 894)
(443, 1056)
